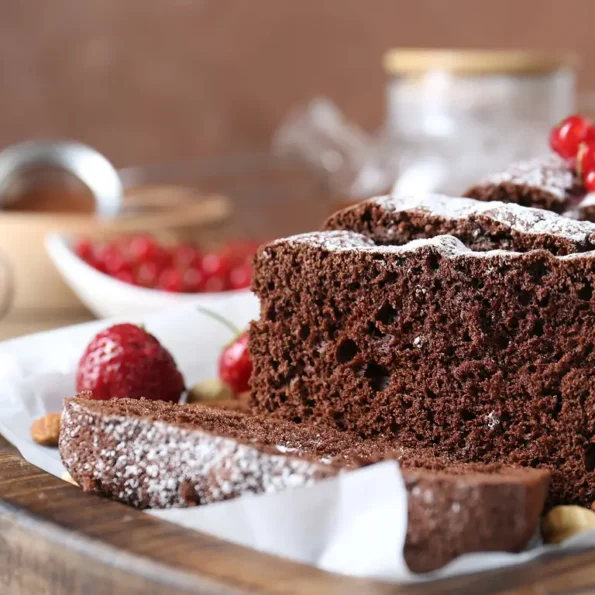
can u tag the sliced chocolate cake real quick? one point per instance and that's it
(477, 345)
(479, 225)
(157, 454)
(546, 183)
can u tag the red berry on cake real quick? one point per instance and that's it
(589, 181)
(124, 360)
(235, 365)
(569, 134)
(586, 158)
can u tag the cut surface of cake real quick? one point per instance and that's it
(156, 454)
(462, 327)
(548, 182)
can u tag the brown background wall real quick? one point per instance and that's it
(148, 80)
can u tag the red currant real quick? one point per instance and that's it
(214, 284)
(194, 280)
(240, 276)
(141, 248)
(590, 135)
(185, 255)
(235, 365)
(215, 265)
(114, 262)
(586, 158)
(84, 249)
(589, 181)
(567, 136)
(171, 280)
(147, 274)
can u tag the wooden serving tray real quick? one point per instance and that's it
(56, 539)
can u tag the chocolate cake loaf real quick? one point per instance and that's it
(546, 183)
(477, 345)
(156, 454)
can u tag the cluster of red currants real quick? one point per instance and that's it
(183, 268)
(574, 139)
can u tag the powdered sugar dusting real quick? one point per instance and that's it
(347, 241)
(588, 201)
(550, 174)
(152, 463)
(525, 220)
(446, 246)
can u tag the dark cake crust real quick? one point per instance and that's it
(483, 356)
(156, 454)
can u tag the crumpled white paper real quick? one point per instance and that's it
(354, 524)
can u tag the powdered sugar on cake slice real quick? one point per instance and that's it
(525, 220)
(550, 174)
(146, 461)
(445, 245)
(348, 241)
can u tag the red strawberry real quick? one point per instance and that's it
(235, 365)
(126, 361)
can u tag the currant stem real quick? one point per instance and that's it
(234, 329)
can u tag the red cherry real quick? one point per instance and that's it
(240, 277)
(235, 365)
(171, 280)
(567, 136)
(589, 181)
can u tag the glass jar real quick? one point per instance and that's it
(456, 116)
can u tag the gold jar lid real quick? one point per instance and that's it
(414, 62)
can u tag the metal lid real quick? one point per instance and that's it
(412, 62)
(78, 160)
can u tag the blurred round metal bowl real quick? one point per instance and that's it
(109, 297)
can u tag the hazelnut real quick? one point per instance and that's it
(562, 522)
(210, 389)
(46, 429)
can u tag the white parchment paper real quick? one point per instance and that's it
(353, 524)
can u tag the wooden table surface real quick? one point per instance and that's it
(56, 539)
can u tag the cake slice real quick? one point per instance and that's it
(480, 226)
(547, 183)
(156, 454)
(479, 344)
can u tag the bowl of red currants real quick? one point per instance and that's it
(141, 273)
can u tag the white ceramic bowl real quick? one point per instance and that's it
(107, 297)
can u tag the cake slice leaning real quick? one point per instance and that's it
(156, 454)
